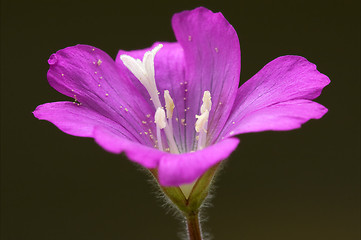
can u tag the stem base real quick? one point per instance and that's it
(193, 226)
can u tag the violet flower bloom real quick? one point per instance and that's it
(175, 107)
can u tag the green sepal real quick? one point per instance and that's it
(175, 194)
(201, 189)
(190, 206)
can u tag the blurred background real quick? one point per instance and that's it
(297, 185)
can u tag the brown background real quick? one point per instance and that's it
(296, 185)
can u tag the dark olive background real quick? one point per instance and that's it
(297, 185)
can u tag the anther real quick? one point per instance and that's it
(160, 120)
(169, 104)
(202, 120)
(201, 123)
(207, 103)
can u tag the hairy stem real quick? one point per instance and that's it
(193, 227)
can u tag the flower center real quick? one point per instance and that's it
(144, 71)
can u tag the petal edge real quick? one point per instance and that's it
(177, 169)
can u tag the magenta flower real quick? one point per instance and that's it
(176, 106)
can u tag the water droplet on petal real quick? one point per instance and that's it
(53, 59)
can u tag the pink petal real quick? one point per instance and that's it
(79, 120)
(177, 169)
(213, 60)
(278, 97)
(91, 77)
(281, 116)
(83, 122)
(146, 156)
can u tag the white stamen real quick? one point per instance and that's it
(201, 123)
(159, 119)
(169, 104)
(201, 128)
(202, 120)
(207, 103)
